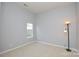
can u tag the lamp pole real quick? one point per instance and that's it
(68, 49)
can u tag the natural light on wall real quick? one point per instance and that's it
(29, 30)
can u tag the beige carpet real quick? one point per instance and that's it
(39, 50)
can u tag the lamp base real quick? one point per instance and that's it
(69, 50)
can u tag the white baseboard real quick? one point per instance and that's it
(43, 42)
(17, 47)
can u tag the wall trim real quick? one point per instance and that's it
(38, 41)
(19, 46)
(48, 43)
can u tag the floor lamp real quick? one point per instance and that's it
(67, 23)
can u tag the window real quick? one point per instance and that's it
(29, 30)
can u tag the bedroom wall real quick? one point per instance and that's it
(0, 18)
(50, 26)
(77, 11)
(0, 24)
(13, 25)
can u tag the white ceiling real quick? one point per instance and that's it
(38, 7)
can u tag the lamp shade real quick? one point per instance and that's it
(67, 22)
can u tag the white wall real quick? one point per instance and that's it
(77, 11)
(0, 24)
(13, 25)
(0, 18)
(0, 9)
(50, 25)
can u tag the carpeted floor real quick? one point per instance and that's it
(39, 50)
